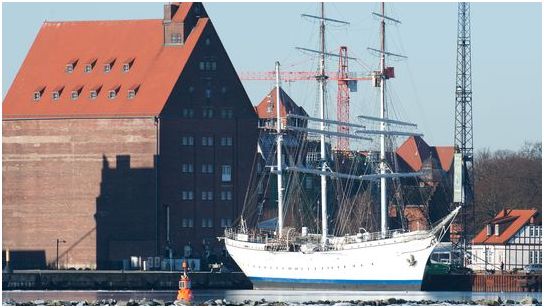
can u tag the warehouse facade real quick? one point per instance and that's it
(124, 138)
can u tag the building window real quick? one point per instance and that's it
(128, 65)
(226, 222)
(206, 168)
(187, 195)
(202, 66)
(112, 94)
(56, 95)
(37, 95)
(187, 223)
(226, 195)
(226, 141)
(208, 93)
(109, 65)
(497, 229)
(187, 140)
(226, 114)
(260, 188)
(208, 41)
(69, 68)
(207, 113)
(187, 112)
(207, 141)
(207, 223)
(75, 95)
(131, 94)
(88, 68)
(187, 168)
(93, 94)
(175, 38)
(226, 173)
(488, 228)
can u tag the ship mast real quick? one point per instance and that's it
(278, 152)
(322, 79)
(383, 183)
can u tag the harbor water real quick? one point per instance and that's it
(201, 296)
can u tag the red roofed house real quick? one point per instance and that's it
(512, 238)
(124, 138)
(431, 193)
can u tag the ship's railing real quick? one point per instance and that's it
(250, 237)
(369, 236)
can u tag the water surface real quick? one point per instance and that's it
(268, 295)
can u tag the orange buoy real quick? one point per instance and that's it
(184, 293)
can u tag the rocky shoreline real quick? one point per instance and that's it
(223, 302)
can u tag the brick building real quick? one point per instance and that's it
(124, 138)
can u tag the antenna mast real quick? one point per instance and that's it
(463, 125)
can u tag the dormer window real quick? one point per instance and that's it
(75, 93)
(497, 229)
(70, 66)
(112, 94)
(132, 91)
(488, 229)
(57, 92)
(89, 66)
(37, 95)
(175, 38)
(109, 65)
(128, 65)
(93, 94)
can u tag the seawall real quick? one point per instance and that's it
(118, 280)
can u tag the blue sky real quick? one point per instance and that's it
(506, 56)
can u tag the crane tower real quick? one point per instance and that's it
(464, 145)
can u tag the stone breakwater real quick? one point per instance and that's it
(223, 302)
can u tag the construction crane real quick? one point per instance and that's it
(345, 85)
(464, 145)
(347, 82)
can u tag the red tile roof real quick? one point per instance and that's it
(155, 68)
(287, 105)
(445, 156)
(516, 218)
(414, 151)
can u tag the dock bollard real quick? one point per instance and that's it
(184, 293)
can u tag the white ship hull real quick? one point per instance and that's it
(395, 263)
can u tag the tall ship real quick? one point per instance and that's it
(308, 257)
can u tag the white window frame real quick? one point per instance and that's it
(112, 94)
(226, 173)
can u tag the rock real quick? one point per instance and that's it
(529, 301)
(132, 302)
(39, 302)
(391, 301)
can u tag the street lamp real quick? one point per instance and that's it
(58, 242)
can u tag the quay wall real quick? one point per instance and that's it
(484, 283)
(119, 280)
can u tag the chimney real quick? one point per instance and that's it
(170, 10)
(172, 29)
